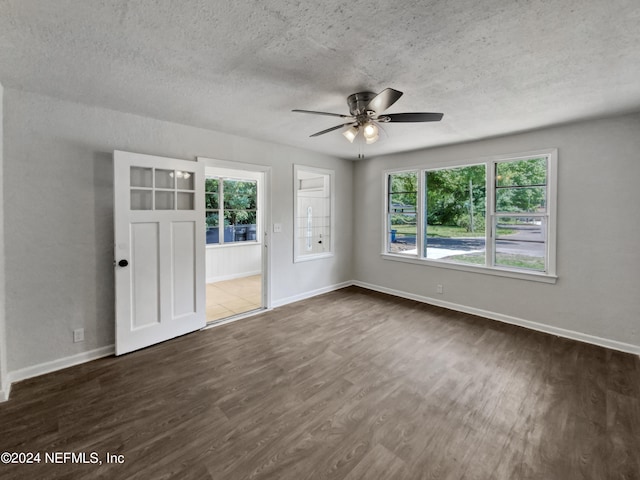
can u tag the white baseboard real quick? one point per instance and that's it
(4, 393)
(59, 364)
(312, 293)
(222, 278)
(540, 327)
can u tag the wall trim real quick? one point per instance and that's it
(235, 318)
(233, 276)
(311, 293)
(540, 327)
(60, 363)
(4, 393)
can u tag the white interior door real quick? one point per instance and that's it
(159, 249)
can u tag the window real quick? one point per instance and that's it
(402, 229)
(494, 216)
(159, 189)
(313, 205)
(520, 214)
(231, 210)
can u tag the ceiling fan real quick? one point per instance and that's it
(366, 109)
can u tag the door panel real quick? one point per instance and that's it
(159, 248)
(145, 280)
(184, 281)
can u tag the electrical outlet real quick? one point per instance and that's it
(78, 335)
(277, 227)
(439, 288)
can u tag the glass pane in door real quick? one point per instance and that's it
(185, 201)
(165, 178)
(141, 199)
(185, 180)
(164, 200)
(141, 177)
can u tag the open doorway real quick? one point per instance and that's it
(235, 264)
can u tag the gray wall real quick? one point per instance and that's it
(59, 216)
(598, 237)
(4, 381)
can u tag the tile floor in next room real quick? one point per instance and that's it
(232, 297)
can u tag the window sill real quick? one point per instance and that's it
(499, 272)
(315, 256)
(231, 244)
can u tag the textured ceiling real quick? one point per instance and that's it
(492, 66)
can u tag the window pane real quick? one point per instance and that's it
(164, 178)
(455, 214)
(403, 189)
(238, 202)
(397, 205)
(211, 201)
(403, 182)
(522, 173)
(211, 185)
(402, 233)
(240, 195)
(185, 201)
(238, 210)
(164, 200)
(312, 212)
(141, 177)
(521, 199)
(240, 225)
(240, 217)
(212, 220)
(521, 242)
(185, 180)
(402, 206)
(141, 199)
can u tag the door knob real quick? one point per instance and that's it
(123, 263)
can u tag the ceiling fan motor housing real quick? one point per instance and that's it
(358, 102)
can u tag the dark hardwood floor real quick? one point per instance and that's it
(348, 385)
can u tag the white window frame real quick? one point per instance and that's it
(548, 276)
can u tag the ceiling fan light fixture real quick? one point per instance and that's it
(371, 140)
(351, 133)
(370, 132)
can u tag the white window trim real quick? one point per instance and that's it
(550, 276)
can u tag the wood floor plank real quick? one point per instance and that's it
(349, 385)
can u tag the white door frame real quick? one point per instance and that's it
(264, 212)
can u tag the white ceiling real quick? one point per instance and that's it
(491, 66)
